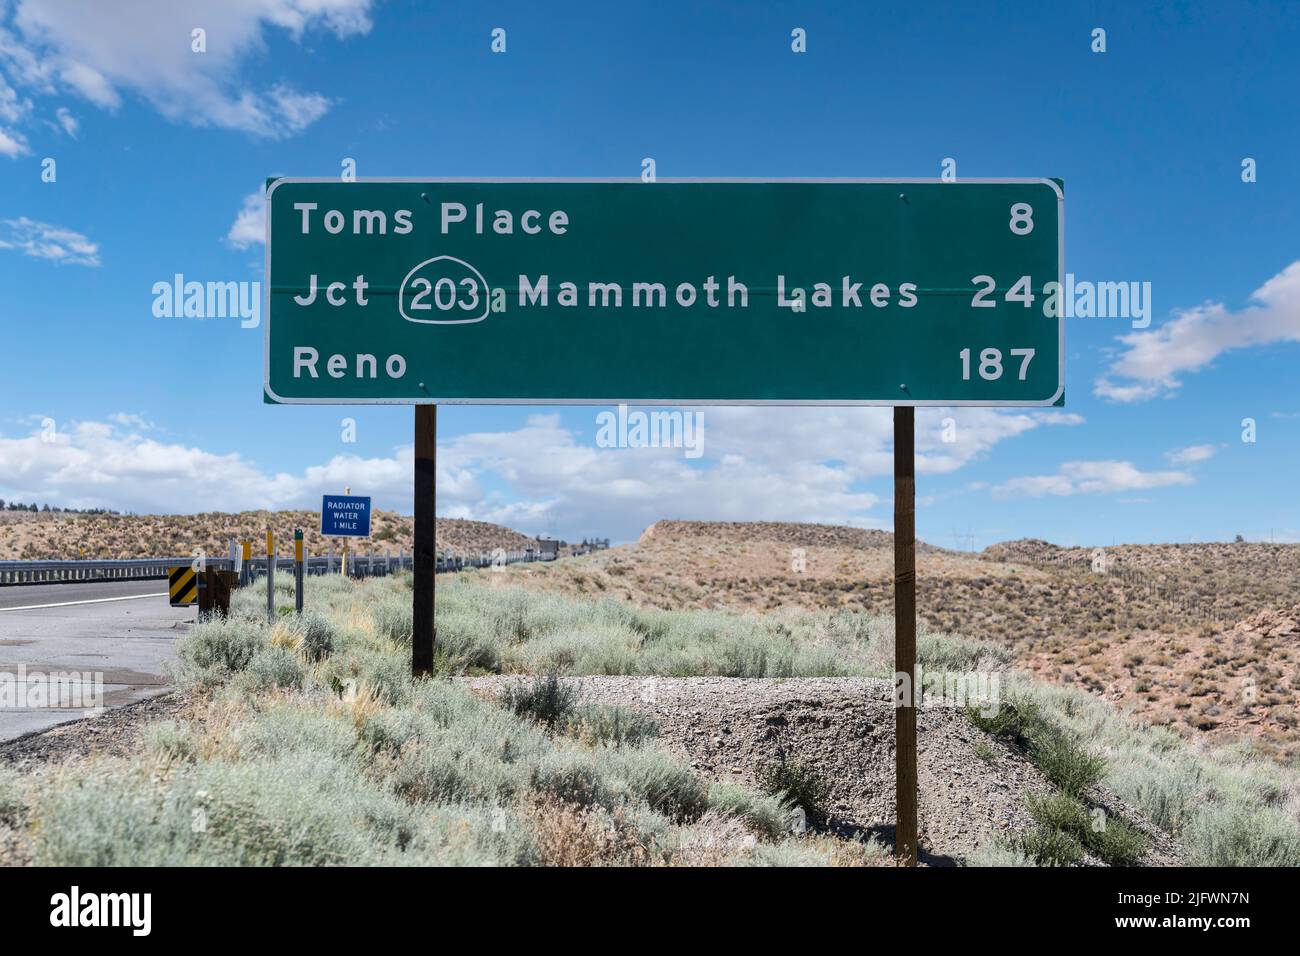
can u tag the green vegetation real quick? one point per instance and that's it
(510, 630)
(798, 785)
(1064, 819)
(309, 744)
(1226, 806)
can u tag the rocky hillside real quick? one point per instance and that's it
(50, 536)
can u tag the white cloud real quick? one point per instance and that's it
(41, 240)
(1152, 361)
(101, 51)
(1191, 454)
(249, 226)
(1089, 478)
(66, 121)
(765, 464)
(13, 143)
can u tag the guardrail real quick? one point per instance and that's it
(142, 569)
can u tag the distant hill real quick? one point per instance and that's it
(781, 532)
(53, 536)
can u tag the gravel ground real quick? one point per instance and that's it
(115, 731)
(972, 786)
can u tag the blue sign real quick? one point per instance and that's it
(345, 516)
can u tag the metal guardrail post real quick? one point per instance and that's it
(270, 576)
(297, 570)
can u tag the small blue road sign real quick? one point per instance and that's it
(345, 516)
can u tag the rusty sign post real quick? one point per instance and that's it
(297, 570)
(905, 690)
(270, 576)
(426, 545)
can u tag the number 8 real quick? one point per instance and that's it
(1022, 219)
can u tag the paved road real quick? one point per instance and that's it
(21, 595)
(118, 633)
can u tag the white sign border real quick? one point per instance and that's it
(370, 511)
(839, 403)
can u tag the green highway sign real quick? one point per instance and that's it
(784, 292)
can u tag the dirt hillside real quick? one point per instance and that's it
(972, 786)
(53, 536)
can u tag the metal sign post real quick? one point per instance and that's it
(905, 790)
(297, 570)
(270, 576)
(426, 503)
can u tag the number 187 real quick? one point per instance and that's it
(990, 363)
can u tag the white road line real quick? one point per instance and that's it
(37, 607)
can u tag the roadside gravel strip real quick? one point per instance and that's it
(729, 728)
(115, 732)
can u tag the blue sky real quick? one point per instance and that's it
(158, 148)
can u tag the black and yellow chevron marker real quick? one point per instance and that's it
(182, 586)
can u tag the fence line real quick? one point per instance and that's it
(144, 569)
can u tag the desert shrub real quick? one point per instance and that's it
(1117, 842)
(665, 784)
(765, 815)
(609, 725)
(512, 629)
(438, 771)
(1227, 807)
(468, 834)
(1057, 751)
(571, 777)
(13, 809)
(317, 635)
(215, 649)
(1016, 720)
(1058, 811)
(1001, 853)
(789, 853)
(467, 643)
(938, 652)
(547, 700)
(392, 617)
(294, 729)
(800, 785)
(1065, 761)
(569, 835)
(449, 746)
(1228, 835)
(1050, 847)
(170, 742)
(389, 675)
(270, 668)
(294, 810)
